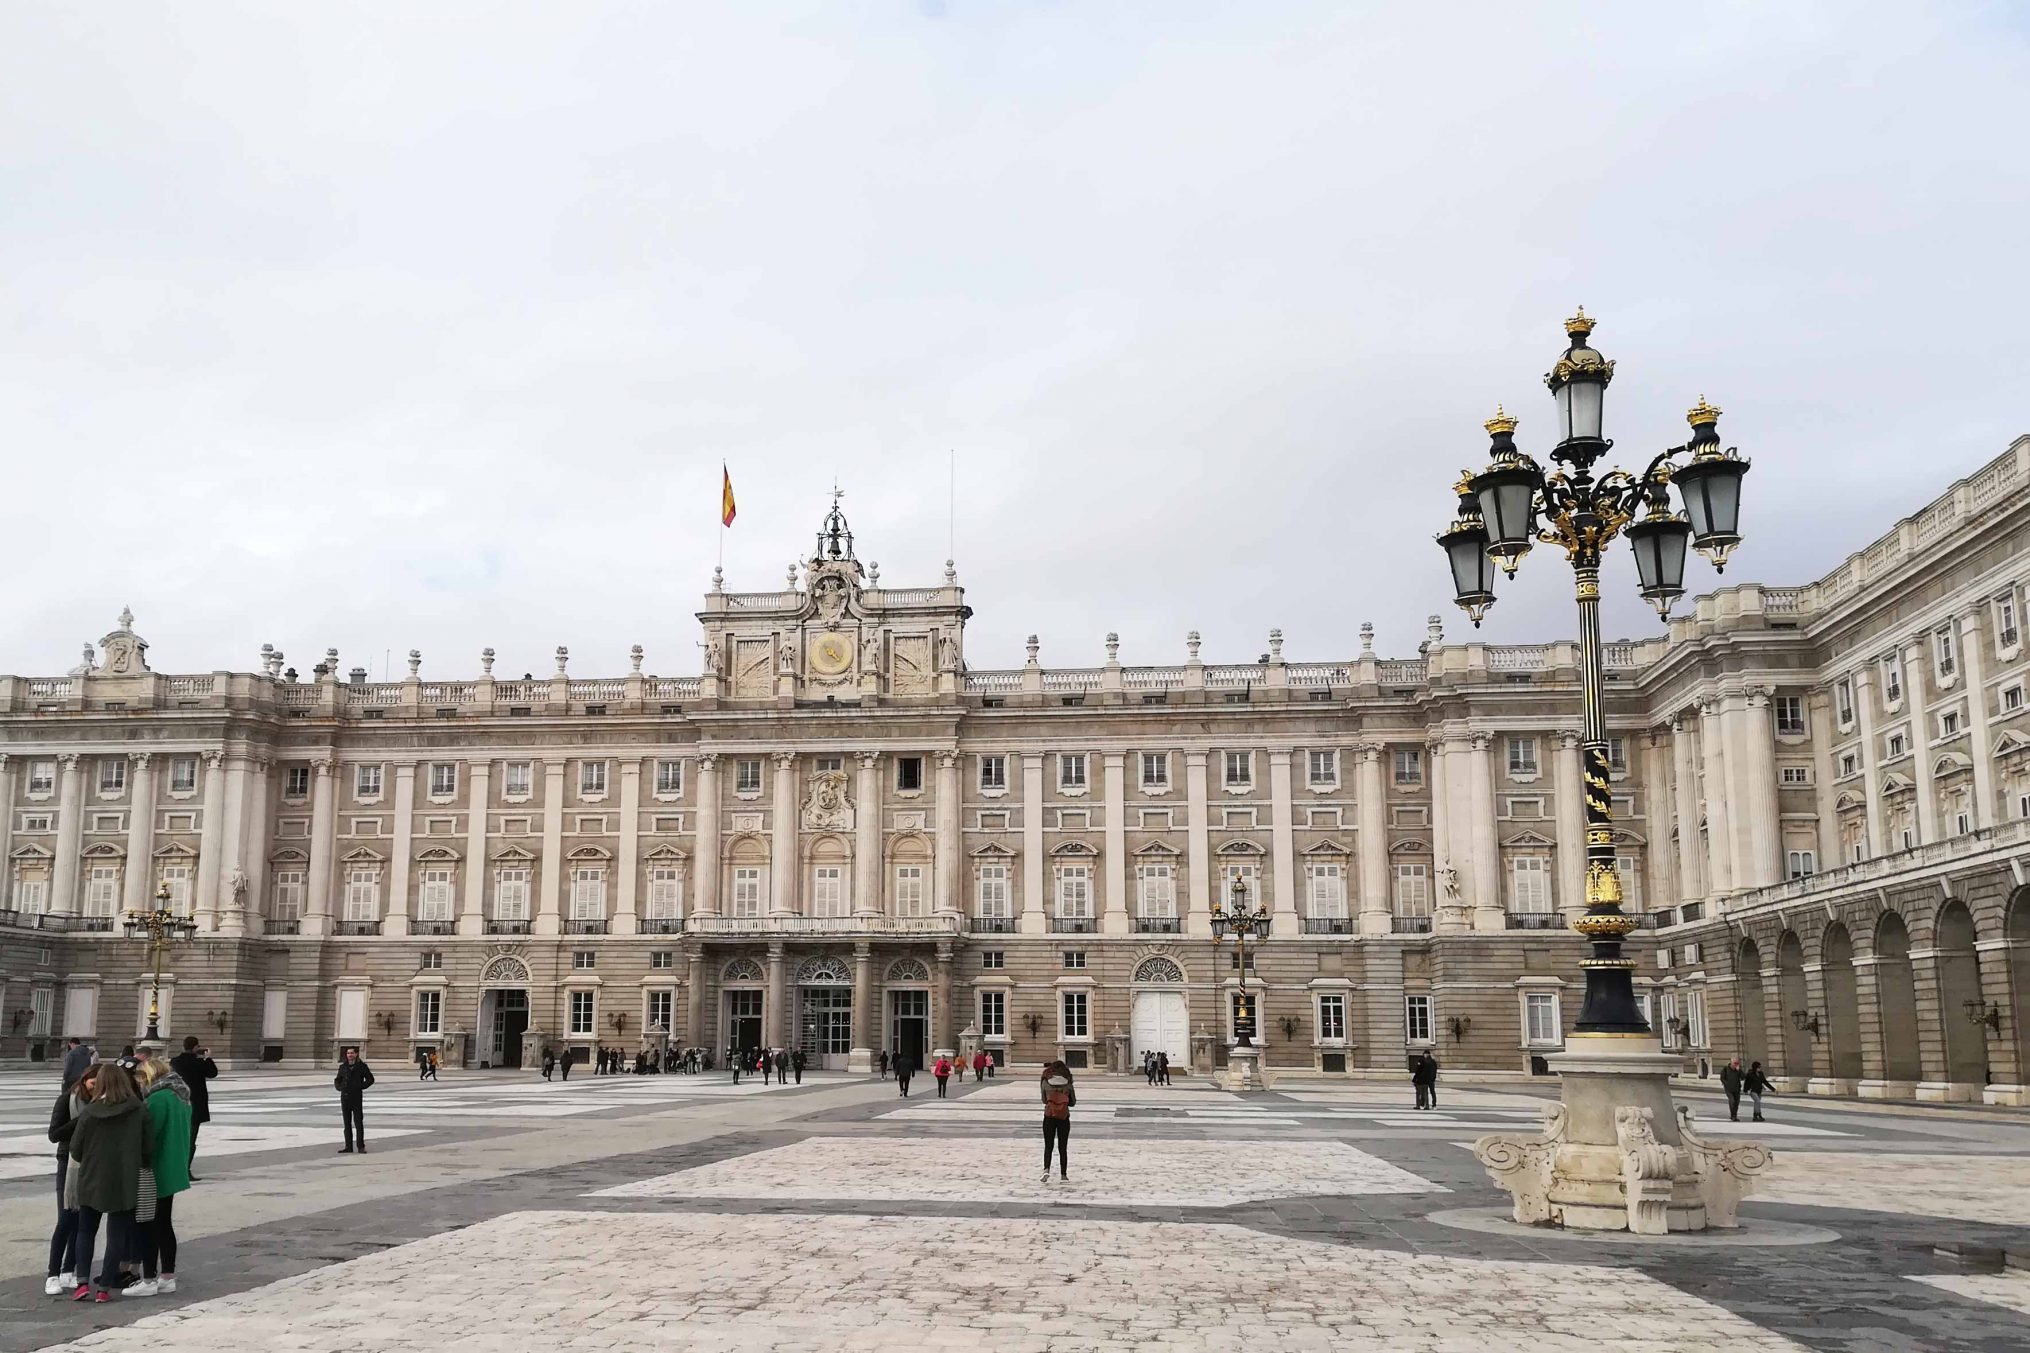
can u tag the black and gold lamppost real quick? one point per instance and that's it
(160, 927)
(1245, 922)
(1581, 513)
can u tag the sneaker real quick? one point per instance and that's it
(83, 1293)
(52, 1286)
(165, 1284)
(102, 1296)
(67, 1278)
(1046, 1176)
(144, 1288)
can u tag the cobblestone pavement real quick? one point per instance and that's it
(680, 1212)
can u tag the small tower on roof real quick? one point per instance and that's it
(835, 537)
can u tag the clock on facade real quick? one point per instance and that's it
(831, 654)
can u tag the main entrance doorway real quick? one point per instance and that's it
(825, 1026)
(1159, 1025)
(743, 1020)
(509, 1020)
(909, 1025)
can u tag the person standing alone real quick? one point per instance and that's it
(195, 1066)
(352, 1082)
(1060, 1097)
(1732, 1078)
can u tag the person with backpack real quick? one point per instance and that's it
(1060, 1097)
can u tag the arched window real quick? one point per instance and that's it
(1158, 969)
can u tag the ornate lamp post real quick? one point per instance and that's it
(1617, 1068)
(159, 927)
(1245, 922)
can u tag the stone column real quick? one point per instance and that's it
(1287, 886)
(708, 870)
(70, 826)
(223, 901)
(1917, 706)
(1441, 818)
(1868, 997)
(947, 1040)
(867, 844)
(1656, 817)
(1819, 717)
(472, 906)
(1765, 839)
(1571, 827)
(1376, 917)
(2005, 1071)
(1935, 1084)
(1691, 857)
(1739, 788)
(1987, 812)
(1818, 1076)
(259, 828)
(323, 843)
(782, 840)
(402, 853)
(1871, 768)
(861, 1058)
(550, 895)
(1114, 868)
(776, 1013)
(1490, 910)
(140, 832)
(1032, 921)
(1197, 848)
(1719, 835)
(949, 840)
(694, 1002)
(211, 841)
(629, 864)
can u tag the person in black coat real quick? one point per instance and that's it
(1757, 1085)
(796, 1064)
(1424, 1076)
(1732, 1078)
(353, 1080)
(195, 1066)
(905, 1067)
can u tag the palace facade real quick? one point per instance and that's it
(843, 837)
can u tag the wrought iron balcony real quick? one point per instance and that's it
(288, 927)
(1410, 925)
(1073, 925)
(359, 928)
(579, 925)
(70, 923)
(1158, 925)
(992, 925)
(662, 925)
(433, 928)
(1328, 925)
(1535, 920)
(499, 927)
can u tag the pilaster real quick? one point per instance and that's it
(323, 839)
(1370, 812)
(140, 831)
(782, 840)
(1283, 918)
(63, 892)
(550, 896)
(1987, 811)
(708, 870)
(867, 844)
(1917, 707)
(1198, 848)
(1571, 825)
(1114, 867)
(949, 839)
(1032, 921)
(403, 851)
(628, 867)
(1489, 909)
(472, 907)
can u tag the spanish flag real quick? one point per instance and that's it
(726, 497)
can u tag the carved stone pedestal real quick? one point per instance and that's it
(1615, 1156)
(1245, 1070)
(860, 1060)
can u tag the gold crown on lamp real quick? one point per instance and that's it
(1503, 421)
(1580, 324)
(1702, 414)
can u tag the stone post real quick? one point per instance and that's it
(861, 1058)
(1490, 909)
(775, 1013)
(1283, 919)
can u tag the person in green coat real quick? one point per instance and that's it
(167, 1100)
(108, 1145)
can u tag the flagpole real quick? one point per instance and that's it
(724, 476)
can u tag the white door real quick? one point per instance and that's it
(1159, 1026)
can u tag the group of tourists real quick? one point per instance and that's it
(1734, 1082)
(904, 1066)
(780, 1063)
(1156, 1068)
(125, 1131)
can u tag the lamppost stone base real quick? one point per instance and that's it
(860, 1060)
(1244, 1070)
(1615, 1155)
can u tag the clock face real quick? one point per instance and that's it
(831, 654)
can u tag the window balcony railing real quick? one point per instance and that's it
(494, 926)
(1328, 925)
(744, 926)
(70, 923)
(662, 925)
(580, 925)
(9, 916)
(359, 927)
(433, 928)
(992, 925)
(1410, 925)
(1158, 925)
(291, 926)
(1534, 920)
(1073, 925)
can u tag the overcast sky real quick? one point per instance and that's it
(428, 326)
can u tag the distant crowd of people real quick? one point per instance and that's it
(779, 1063)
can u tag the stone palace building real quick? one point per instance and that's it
(843, 837)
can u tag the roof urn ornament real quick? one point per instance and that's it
(1366, 637)
(634, 659)
(563, 659)
(1113, 649)
(486, 661)
(1031, 645)
(415, 662)
(1191, 643)
(1275, 645)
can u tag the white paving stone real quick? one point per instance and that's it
(1104, 1171)
(1967, 1186)
(537, 1282)
(25, 1158)
(2011, 1289)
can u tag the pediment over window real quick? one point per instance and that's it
(175, 850)
(1529, 840)
(365, 854)
(1159, 849)
(993, 850)
(667, 852)
(2011, 743)
(1240, 848)
(1894, 783)
(1951, 763)
(1328, 847)
(438, 855)
(1410, 846)
(288, 856)
(105, 850)
(1074, 848)
(1624, 837)
(590, 853)
(31, 851)
(1849, 800)
(514, 855)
